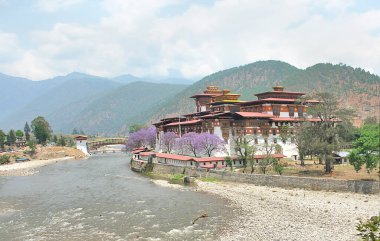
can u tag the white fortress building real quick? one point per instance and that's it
(271, 118)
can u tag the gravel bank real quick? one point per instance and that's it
(265, 213)
(27, 168)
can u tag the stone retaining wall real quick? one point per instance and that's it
(357, 186)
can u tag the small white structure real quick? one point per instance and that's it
(81, 144)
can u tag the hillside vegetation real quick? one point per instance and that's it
(353, 86)
(108, 106)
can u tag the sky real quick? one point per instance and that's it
(40, 39)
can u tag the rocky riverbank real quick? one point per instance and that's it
(265, 213)
(27, 168)
(43, 156)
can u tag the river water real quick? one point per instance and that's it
(101, 199)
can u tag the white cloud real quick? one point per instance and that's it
(135, 37)
(54, 5)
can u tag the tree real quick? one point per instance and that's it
(41, 129)
(284, 133)
(11, 138)
(19, 133)
(32, 147)
(2, 140)
(142, 137)
(244, 148)
(75, 131)
(303, 139)
(27, 131)
(192, 143)
(268, 150)
(366, 148)
(327, 135)
(62, 141)
(135, 127)
(55, 139)
(228, 161)
(168, 141)
(210, 143)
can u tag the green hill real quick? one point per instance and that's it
(353, 86)
(114, 111)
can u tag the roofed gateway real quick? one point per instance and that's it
(222, 113)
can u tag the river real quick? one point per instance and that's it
(101, 199)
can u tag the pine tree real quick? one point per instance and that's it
(11, 138)
(27, 131)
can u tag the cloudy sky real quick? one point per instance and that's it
(183, 38)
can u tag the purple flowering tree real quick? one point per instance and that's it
(190, 142)
(168, 141)
(142, 137)
(210, 143)
(180, 146)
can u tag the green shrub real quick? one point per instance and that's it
(176, 177)
(370, 230)
(4, 159)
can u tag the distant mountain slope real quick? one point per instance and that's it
(353, 86)
(116, 110)
(17, 92)
(62, 96)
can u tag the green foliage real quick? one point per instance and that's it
(228, 161)
(27, 131)
(278, 166)
(4, 159)
(19, 133)
(176, 177)
(265, 163)
(55, 139)
(244, 148)
(71, 142)
(41, 129)
(327, 135)
(32, 147)
(11, 138)
(370, 230)
(366, 148)
(2, 140)
(135, 127)
(62, 141)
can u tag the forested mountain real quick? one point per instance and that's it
(353, 86)
(116, 110)
(109, 106)
(95, 104)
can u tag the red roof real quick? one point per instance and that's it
(137, 151)
(175, 157)
(287, 119)
(80, 138)
(209, 159)
(254, 114)
(184, 123)
(274, 155)
(148, 153)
